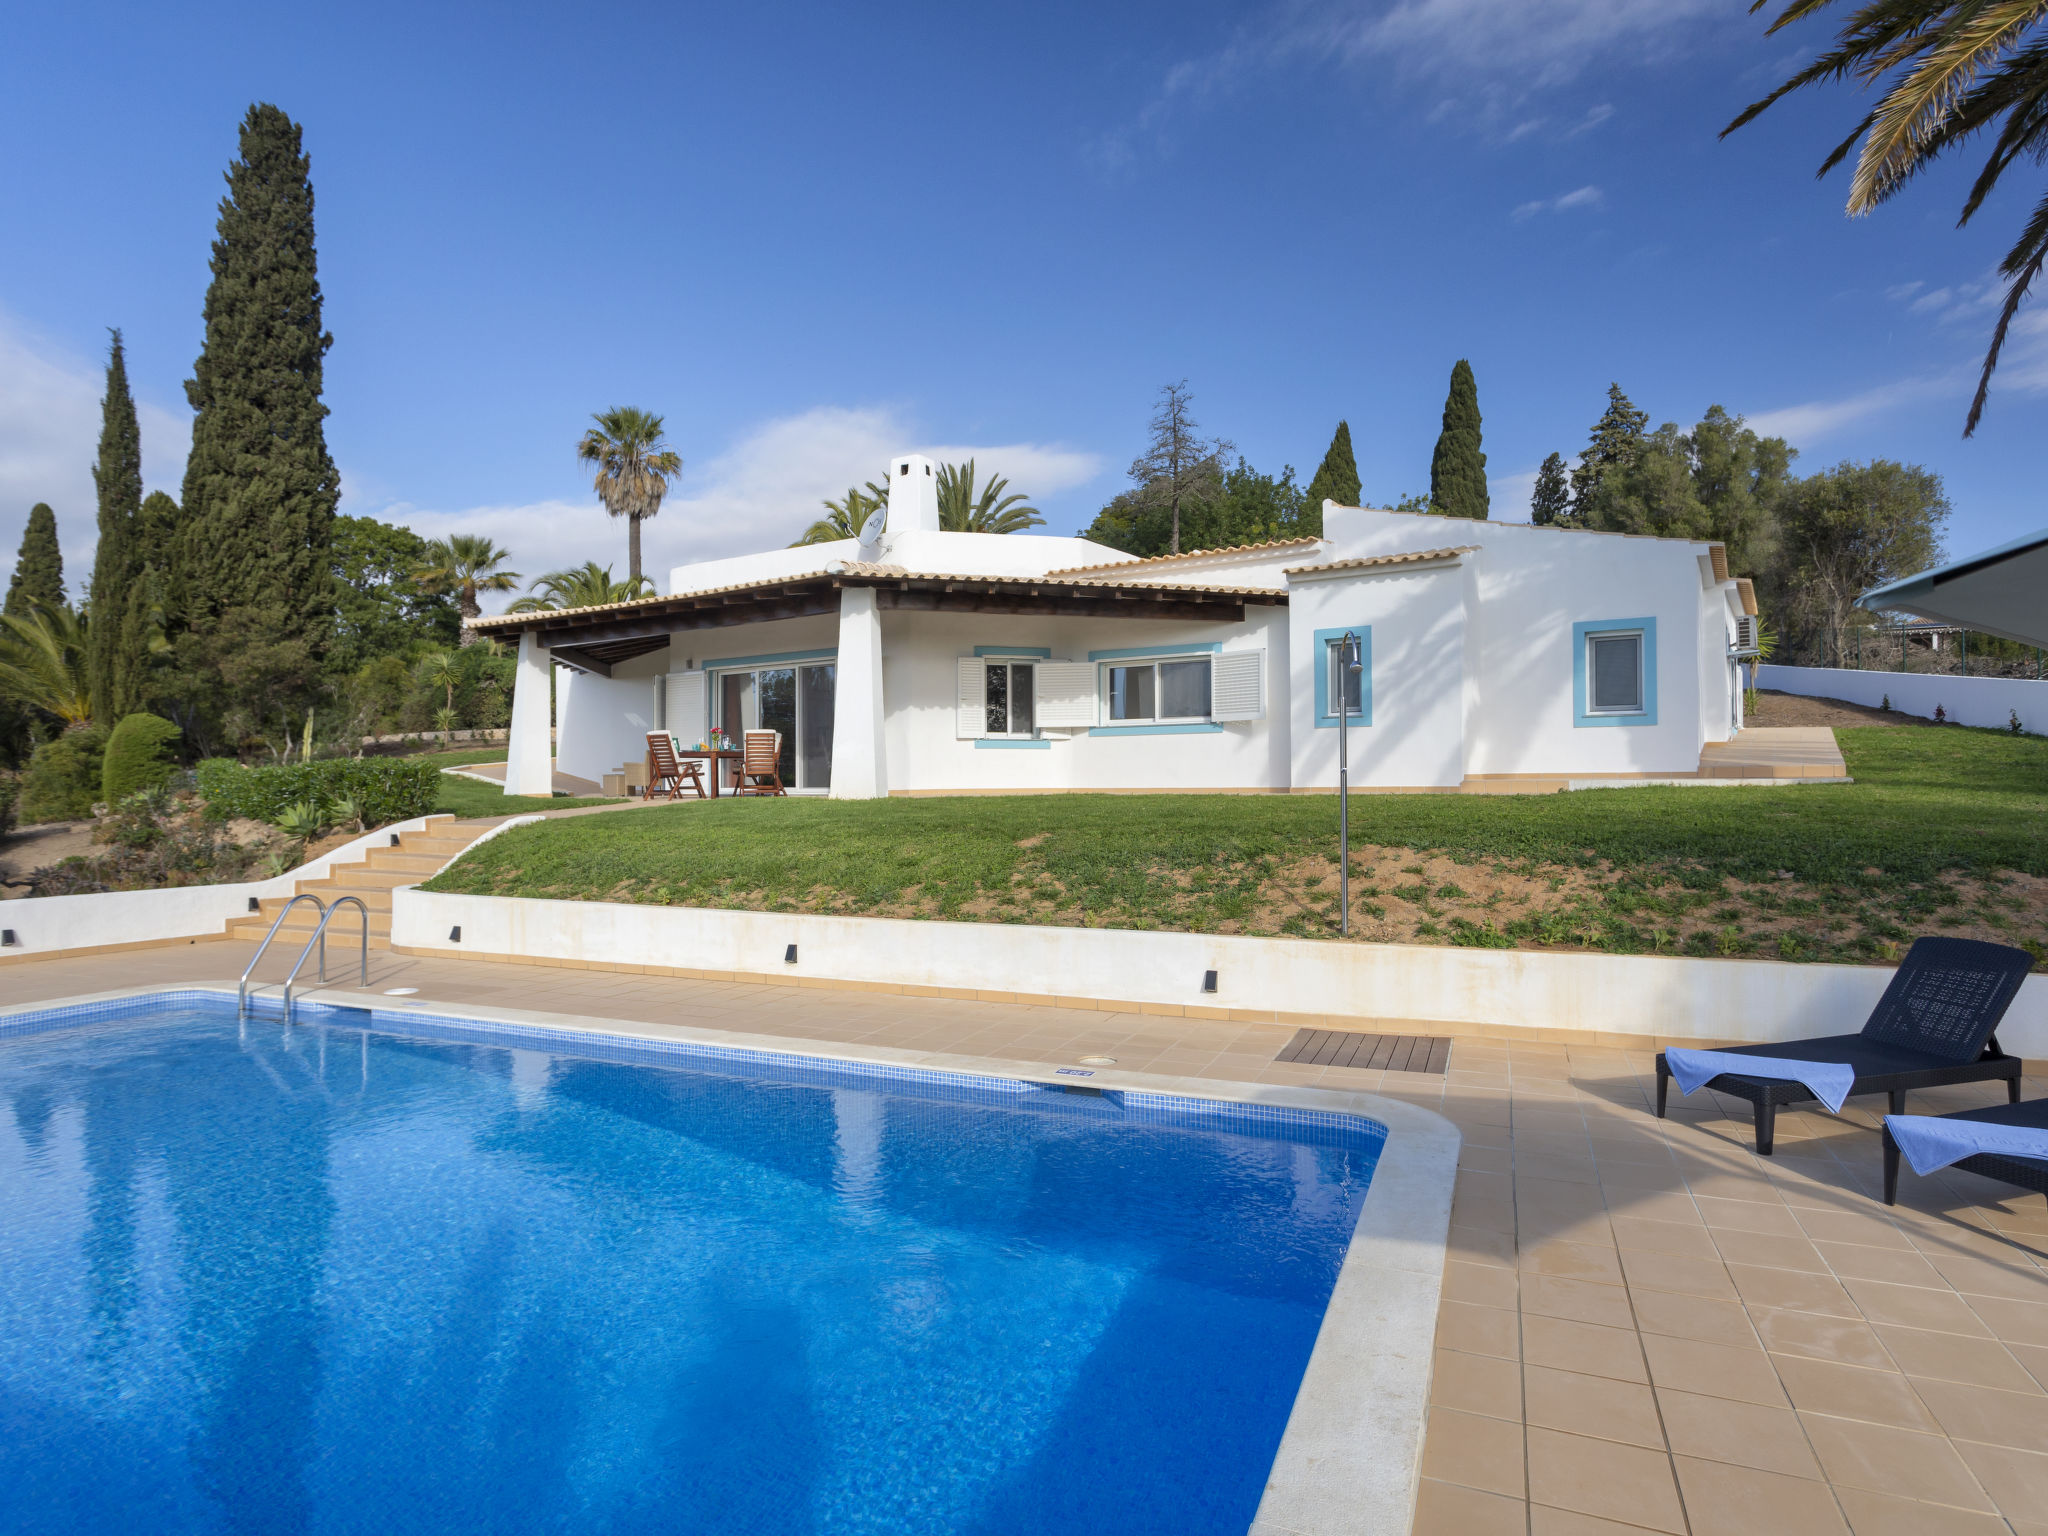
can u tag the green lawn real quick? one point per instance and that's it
(474, 797)
(1945, 830)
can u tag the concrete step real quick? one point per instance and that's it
(305, 920)
(417, 864)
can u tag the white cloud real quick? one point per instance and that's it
(1581, 197)
(1508, 496)
(1500, 53)
(1816, 420)
(1523, 130)
(49, 438)
(1594, 117)
(760, 493)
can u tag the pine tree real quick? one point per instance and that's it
(1617, 437)
(1551, 502)
(250, 571)
(39, 568)
(118, 475)
(1336, 479)
(1457, 473)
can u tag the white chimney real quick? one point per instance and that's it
(913, 494)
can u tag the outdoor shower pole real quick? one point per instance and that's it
(1347, 664)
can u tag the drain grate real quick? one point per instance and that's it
(1373, 1053)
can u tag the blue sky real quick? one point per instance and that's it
(814, 235)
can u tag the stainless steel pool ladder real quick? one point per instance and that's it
(318, 940)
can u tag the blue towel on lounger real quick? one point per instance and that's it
(1932, 1142)
(1828, 1081)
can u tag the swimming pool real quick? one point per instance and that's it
(431, 1276)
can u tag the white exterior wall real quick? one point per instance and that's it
(604, 721)
(1420, 633)
(1987, 701)
(920, 682)
(1533, 585)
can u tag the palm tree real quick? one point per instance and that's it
(42, 664)
(634, 467)
(466, 564)
(1948, 69)
(441, 670)
(962, 511)
(588, 585)
(843, 519)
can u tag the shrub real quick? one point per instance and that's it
(10, 791)
(63, 778)
(2013, 723)
(137, 757)
(382, 789)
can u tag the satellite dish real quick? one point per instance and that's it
(871, 530)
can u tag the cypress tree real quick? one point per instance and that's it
(1551, 502)
(1617, 438)
(39, 567)
(1457, 473)
(118, 475)
(1336, 479)
(250, 560)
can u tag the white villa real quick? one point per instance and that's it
(915, 661)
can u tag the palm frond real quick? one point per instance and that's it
(43, 663)
(588, 585)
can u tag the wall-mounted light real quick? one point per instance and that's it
(455, 934)
(1208, 981)
(7, 938)
(394, 839)
(789, 955)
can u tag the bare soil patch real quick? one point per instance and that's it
(1776, 709)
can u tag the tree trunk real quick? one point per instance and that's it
(633, 548)
(471, 611)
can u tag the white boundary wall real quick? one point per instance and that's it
(1986, 701)
(48, 924)
(1680, 999)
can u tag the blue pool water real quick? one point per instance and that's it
(330, 1278)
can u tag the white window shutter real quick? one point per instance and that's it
(973, 699)
(1237, 686)
(1066, 694)
(685, 717)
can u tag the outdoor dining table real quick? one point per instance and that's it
(728, 757)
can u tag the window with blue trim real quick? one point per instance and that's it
(1157, 692)
(1614, 672)
(1356, 693)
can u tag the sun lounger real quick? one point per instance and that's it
(1994, 1142)
(1936, 1024)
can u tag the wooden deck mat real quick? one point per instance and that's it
(1372, 1053)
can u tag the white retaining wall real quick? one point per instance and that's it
(1987, 701)
(47, 924)
(1752, 1000)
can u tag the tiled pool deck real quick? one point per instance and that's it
(1644, 1327)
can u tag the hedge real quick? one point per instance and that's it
(137, 757)
(384, 789)
(63, 778)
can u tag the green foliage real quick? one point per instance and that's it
(1181, 472)
(1335, 479)
(1550, 502)
(383, 789)
(10, 793)
(43, 663)
(842, 519)
(137, 757)
(381, 604)
(155, 845)
(63, 778)
(117, 562)
(588, 585)
(252, 581)
(1616, 436)
(1844, 531)
(1248, 508)
(964, 510)
(1718, 482)
(38, 580)
(302, 821)
(465, 564)
(1457, 471)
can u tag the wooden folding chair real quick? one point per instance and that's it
(667, 774)
(760, 764)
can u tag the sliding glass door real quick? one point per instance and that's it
(798, 702)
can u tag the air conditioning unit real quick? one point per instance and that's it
(1746, 638)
